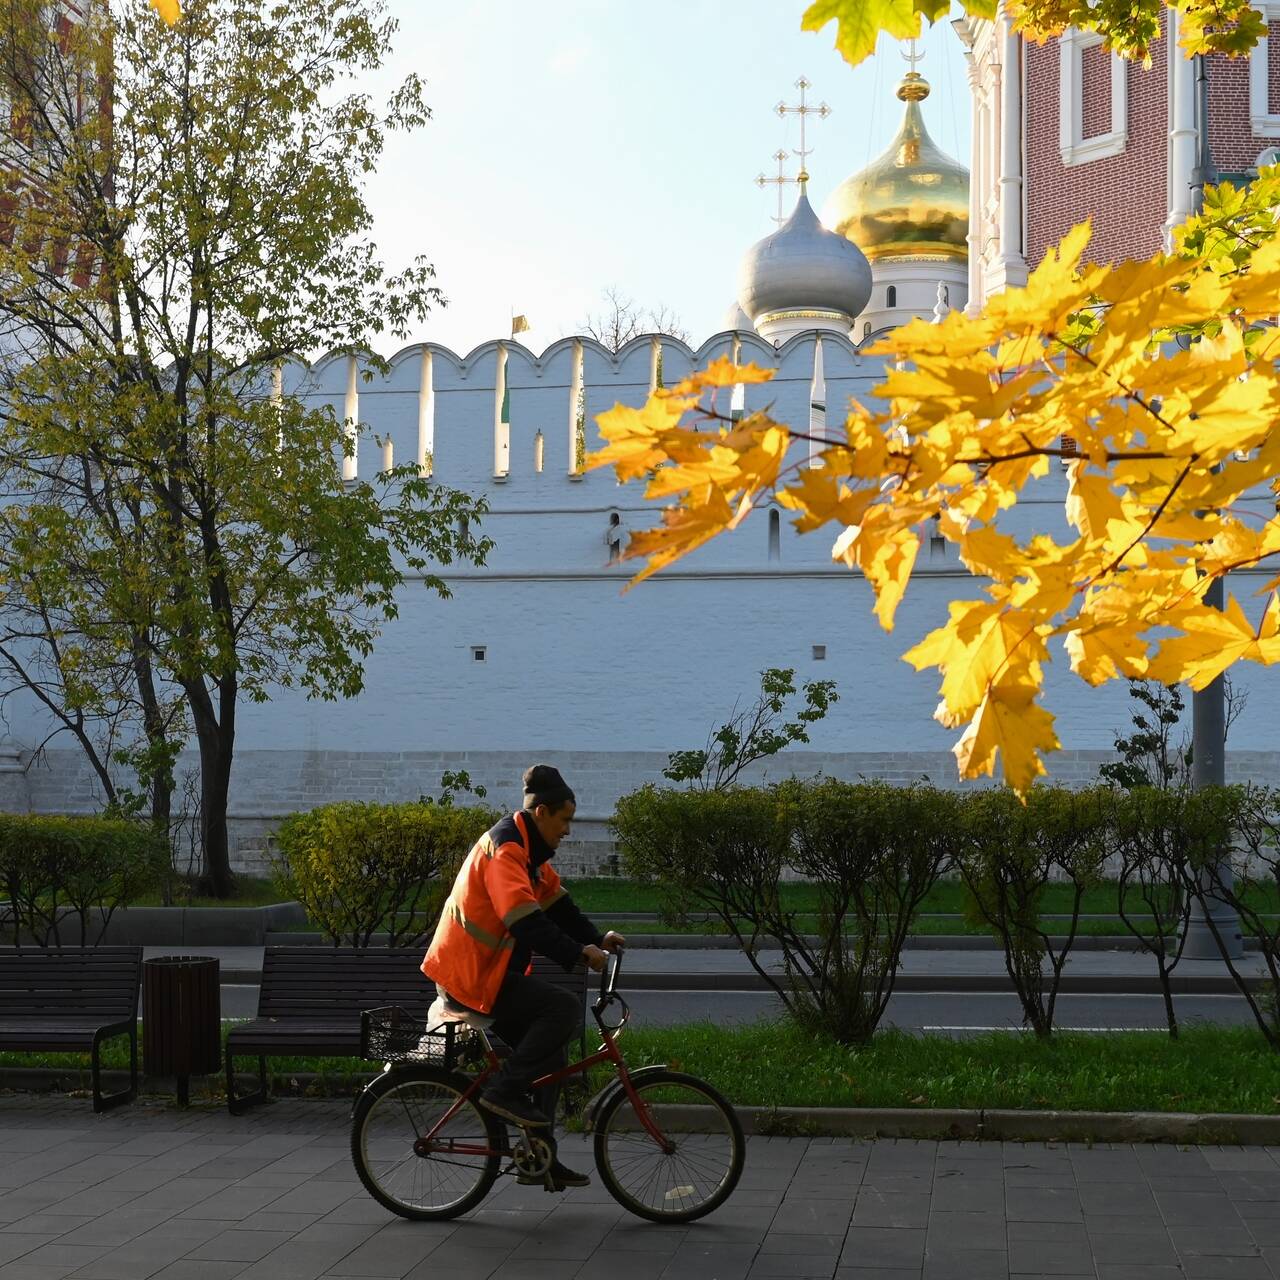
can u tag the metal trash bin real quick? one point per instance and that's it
(181, 1019)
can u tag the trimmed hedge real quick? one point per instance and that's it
(873, 852)
(59, 868)
(364, 869)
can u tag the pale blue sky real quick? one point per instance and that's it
(578, 144)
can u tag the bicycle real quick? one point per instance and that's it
(425, 1149)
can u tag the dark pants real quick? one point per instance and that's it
(537, 1020)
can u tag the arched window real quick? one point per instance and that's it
(775, 535)
(537, 452)
(891, 296)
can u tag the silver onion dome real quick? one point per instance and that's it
(803, 267)
(736, 318)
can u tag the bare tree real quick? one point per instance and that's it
(621, 319)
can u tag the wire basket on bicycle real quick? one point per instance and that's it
(393, 1034)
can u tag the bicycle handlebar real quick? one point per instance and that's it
(609, 993)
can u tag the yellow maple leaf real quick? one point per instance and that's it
(169, 10)
(1010, 725)
(981, 642)
(1212, 640)
(1105, 652)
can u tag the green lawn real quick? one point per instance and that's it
(1208, 1069)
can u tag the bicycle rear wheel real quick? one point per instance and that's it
(401, 1174)
(706, 1148)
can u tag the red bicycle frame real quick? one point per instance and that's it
(608, 1052)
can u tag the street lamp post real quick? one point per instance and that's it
(1208, 705)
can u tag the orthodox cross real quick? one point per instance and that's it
(803, 110)
(780, 181)
(913, 54)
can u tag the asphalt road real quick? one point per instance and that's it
(942, 1012)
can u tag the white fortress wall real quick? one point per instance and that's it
(602, 681)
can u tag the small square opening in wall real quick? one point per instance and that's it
(478, 653)
(819, 652)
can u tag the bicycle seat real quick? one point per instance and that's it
(441, 1013)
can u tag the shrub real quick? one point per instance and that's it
(875, 851)
(359, 869)
(84, 868)
(722, 852)
(1235, 860)
(1149, 840)
(1009, 852)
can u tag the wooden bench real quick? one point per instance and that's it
(71, 1000)
(311, 999)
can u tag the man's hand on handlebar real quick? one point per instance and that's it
(614, 941)
(595, 957)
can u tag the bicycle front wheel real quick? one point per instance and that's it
(697, 1168)
(400, 1170)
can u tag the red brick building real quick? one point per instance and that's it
(68, 100)
(1064, 131)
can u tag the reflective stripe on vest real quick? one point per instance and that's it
(479, 934)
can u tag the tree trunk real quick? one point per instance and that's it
(215, 736)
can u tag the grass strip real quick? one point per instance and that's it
(776, 1064)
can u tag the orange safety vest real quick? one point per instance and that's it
(473, 942)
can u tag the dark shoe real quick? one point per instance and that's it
(512, 1105)
(561, 1177)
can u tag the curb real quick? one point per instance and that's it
(921, 1124)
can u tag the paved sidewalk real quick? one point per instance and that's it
(152, 1192)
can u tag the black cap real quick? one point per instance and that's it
(544, 785)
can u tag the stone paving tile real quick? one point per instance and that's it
(1124, 1271)
(883, 1247)
(967, 1264)
(190, 1269)
(877, 1273)
(1043, 1204)
(1049, 1257)
(633, 1265)
(795, 1266)
(957, 1230)
(876, 1208)
(240, 1246)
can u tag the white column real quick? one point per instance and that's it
(1011, 267)
(1182, 128)
(575, 396)
(426, 417)
(351, 420)
(501, 429)
(976, 160)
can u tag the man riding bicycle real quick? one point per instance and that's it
(507, 903)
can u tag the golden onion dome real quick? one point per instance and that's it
(913, 202)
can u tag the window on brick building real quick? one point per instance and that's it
(1093, 99)
(1264, 75)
